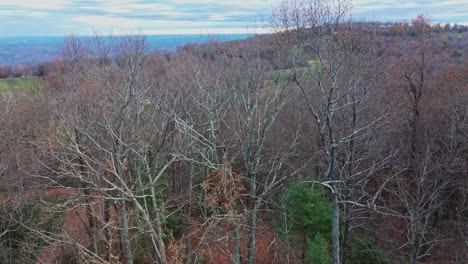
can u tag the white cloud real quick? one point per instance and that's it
(121, 26)
(395, 10)
(203, 31)
(34, 4)
(121, 23)
(104, 21)
(236, 3)
(130, 7)
(191, 16)
(22, 13)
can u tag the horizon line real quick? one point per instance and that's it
(193, 31)
(167, 32)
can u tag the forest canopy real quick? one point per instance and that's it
(327, 141)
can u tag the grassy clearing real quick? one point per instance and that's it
(284, 76)
(18, 84)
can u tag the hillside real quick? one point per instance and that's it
(329, 141)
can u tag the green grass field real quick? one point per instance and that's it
(283, 76)
(18, 84)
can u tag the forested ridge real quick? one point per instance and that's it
(327, 141)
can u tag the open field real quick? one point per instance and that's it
(19, 83)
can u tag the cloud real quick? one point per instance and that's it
(61, 17)
(34, 4)
(453, 11)
(23, 13)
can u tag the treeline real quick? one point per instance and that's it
(392, 28)
(328, 141)
(23, 70)
(17, 71)
(383, 28)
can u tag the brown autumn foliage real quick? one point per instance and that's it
(184, 156)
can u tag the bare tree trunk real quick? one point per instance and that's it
(413, 258)
(415, 247)
(304, 246)
(188, 249)
(155, 215)
(91, 220)
(89, 200)
(126, 247)
(252, 228)
(159, 234)
(237, 244)
(344, 243)
(107, 231)
(252, 220)
(335, 229)
(346, 192)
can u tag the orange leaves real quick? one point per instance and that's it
(49, 143)
(176, 253)
(109, 164)
(401, 27)
(223, 189)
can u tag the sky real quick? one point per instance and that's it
(83, 17)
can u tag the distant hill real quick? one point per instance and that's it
(30, 50)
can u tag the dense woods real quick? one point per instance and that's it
(328, 141)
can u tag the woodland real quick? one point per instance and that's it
(327, 141)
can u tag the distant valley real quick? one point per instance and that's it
(32, 50)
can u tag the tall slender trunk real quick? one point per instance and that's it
(304, 246)
(346, 192)
(413, 259)
(237, 242)
(159, 233)
(335, 229)
(188, 249)
(91, 220)
(153, 217)
(252, 229)
(87, 193)
(415, 247)
(125, 238)
(107, 232)
(252, 220)
(344, 243)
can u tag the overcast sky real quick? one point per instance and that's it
(62, 17)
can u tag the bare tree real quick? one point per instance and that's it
(111, 139)
(332, 63)
(429, 167)
(256, 104)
